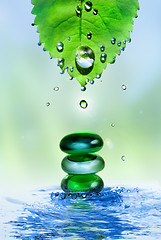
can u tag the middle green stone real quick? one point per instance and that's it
(81, 143)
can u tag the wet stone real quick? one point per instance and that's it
(81, 143)
(89, 164)
(82, 183)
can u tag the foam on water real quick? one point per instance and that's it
(115, 213)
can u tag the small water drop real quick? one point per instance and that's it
(113, 60)
(122, 48)
(71, 69)
(124, 41)
(112, 125)
(88, 6)
(124, 87)
(32, 24)
(89, 35)
(61, 72)
(98, 76)
(51, 58)
(102, 48)
(92, 82)
(44, 49)
(47, 104)
(84, 60)
(84, 195)
(129, 41)
(118, 43)
(70, 78)
(39, 43)
(56, 89)
(69, 38)
(83, 88)
(123, 158)
(103, 57)
(95, 11)
(60, 46)
(87, 80)
(83, 104)
(113, 41)
(78, 10)
(61, 62)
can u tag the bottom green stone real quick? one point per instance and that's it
(82, 183)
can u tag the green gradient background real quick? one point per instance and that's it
(30, 132)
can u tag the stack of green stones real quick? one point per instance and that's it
(80, 163)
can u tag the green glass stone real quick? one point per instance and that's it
(82, 183)
(81, 143)
(90, 164)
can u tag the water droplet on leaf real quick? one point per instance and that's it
(89, 35)
(84, 60)
(69, 38)
(118, 43)
(83, 104)
(61, 72)
(122, 48)
(61, 62)
(44, 49)
(103, 57)
(102, 48)
(60, 47)
(129, 41)
(124, 41)
(98, 76)
(71, 69)
(95, 11)
(78, 10)
(87, 80)
(32, 24)
(70, 78)
(83, 88)
(113, 40)
(88, 6)
(92, 82)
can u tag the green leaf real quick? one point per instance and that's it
(84, 36)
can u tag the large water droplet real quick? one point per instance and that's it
(60, 46)
(102, 48)
(84, 60)
(89, 35)
(83, 104)
(95, 11)
(88, 6)
(113, 40)
(78, 10)
(103, 57)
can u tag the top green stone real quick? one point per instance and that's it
(81, 142)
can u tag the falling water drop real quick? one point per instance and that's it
(83, 88)
(124, 87)
(56, 89)
(88, 6)
(60, 46)
(123, 158)
(95, 11)
(103, 57)
(113, 41)
(102, 48)
(89, 35)
(83, 104)
(47, 104)
(84, 60)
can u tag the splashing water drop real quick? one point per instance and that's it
(78, 10)
(102, 48)
(103, 57)
(56, 89)
(124, 87)
(123, 158)
(95, 11)
(60, 46)
(113, 41)
(84, 60)
(89, 35)
(83, 104)
(88, 6)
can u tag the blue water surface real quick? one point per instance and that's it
(115, 213)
